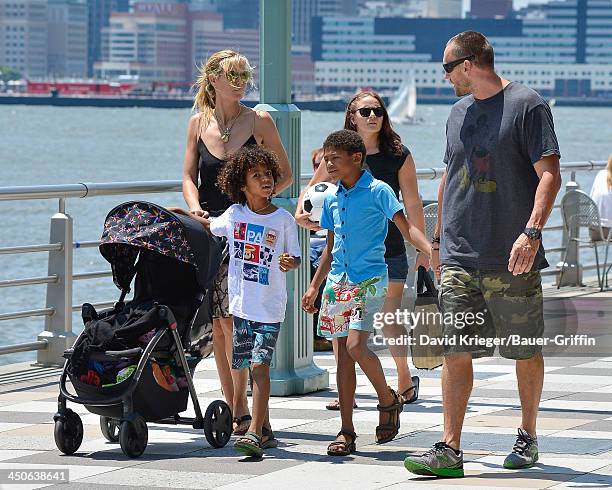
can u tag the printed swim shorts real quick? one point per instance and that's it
(254, 342)
(346, 306)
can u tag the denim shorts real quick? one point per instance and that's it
(346, 306)
(253, 342)
(397, 267)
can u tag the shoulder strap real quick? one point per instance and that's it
(199, 127)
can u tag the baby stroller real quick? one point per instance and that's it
(157, 338)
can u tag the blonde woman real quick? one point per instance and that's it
(220, 126)
(601, 193)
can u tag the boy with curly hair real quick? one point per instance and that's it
(263, 244)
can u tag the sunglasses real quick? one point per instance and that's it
(366, 111)
(450, 66)
(234, 77)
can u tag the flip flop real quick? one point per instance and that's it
(249, 445)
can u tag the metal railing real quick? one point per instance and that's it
(57, 334)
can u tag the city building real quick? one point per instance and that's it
(490, 9)
(444, 9)
(23, 37)
(561, 48)
(208, 36)
(551, 80)
(239, 14)
(150, 43)
(304, 10)
(67, 38)
(99, 17)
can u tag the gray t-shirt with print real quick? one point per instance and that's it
(491, 146)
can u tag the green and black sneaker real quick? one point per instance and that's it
(524, 453)
(440, 460)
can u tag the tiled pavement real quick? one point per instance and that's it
(575, 435)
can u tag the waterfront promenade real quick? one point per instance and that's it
(575, 432)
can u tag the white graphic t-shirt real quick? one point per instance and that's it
(256, 285)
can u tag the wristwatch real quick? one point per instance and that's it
(533, 233)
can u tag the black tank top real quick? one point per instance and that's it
(211, 198)
(386, 167)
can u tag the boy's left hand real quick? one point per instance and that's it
(288, 262)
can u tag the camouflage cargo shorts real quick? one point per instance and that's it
(483, 310)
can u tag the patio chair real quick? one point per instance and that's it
(580, 211)
(431, 215)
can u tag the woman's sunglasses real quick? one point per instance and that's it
(366, 111)
(234, 77)
(450, 66)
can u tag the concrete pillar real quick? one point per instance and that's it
(293, 371)
(58, 327)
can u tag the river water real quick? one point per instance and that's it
(57, 145)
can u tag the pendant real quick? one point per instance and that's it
(225, 135)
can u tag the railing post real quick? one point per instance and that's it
(58, 327)
(293, 370)
(572, 271)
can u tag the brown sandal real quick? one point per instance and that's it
(343, 448)
(394, 410)
(335, 405)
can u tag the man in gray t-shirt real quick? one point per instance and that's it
(499, 187)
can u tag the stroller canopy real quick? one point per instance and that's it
(136, 225)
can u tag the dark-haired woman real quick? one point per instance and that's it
(221, 126)
(390, 161)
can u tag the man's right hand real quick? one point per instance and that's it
(301, 218)
(308, 300)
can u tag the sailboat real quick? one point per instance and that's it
(402, 108)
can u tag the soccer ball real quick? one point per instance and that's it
(315, 197)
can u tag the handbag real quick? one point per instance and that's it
(428, 329)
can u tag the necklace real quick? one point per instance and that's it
(227, 130)
(262, 209)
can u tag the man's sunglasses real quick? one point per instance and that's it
(366, 111)
(450, 66)
(234, 77)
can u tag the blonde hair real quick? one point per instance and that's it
(216, 64)
(609, 167)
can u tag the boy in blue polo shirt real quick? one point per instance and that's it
(357, 218)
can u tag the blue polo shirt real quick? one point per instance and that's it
(359, 219)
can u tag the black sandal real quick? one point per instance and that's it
(345, 448)
(238, 421)
(395, 409)
(415, 392)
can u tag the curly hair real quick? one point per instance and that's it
(346, 140)
(233, 175)
(389, 141)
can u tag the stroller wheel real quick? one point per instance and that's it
(68, 431)
(109, 428)
(218, 424)
(133, 436)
